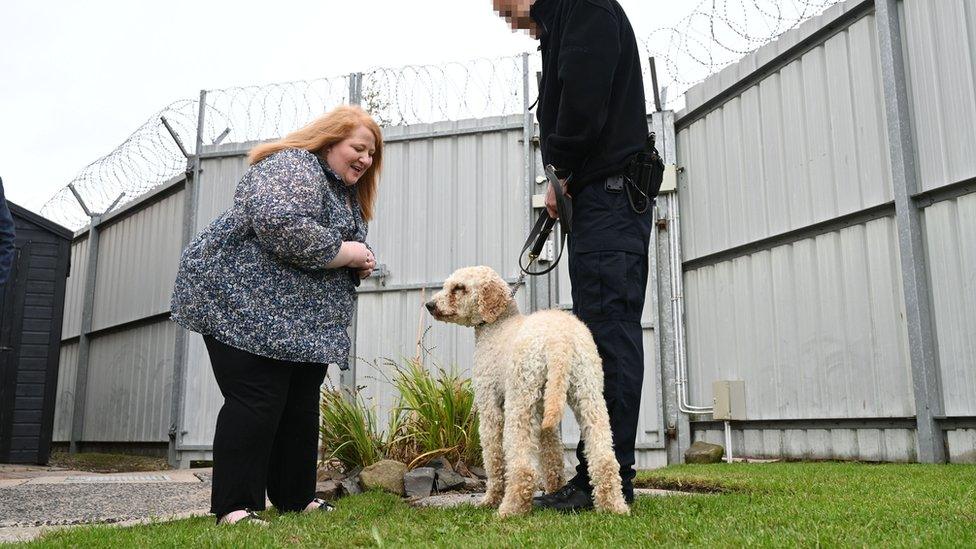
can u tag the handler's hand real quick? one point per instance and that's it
(551, 198)
(364, 273)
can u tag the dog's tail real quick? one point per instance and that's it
(557, 381)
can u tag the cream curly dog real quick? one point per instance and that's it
(526, 368)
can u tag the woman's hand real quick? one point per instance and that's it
(354, 255)
(359, 256)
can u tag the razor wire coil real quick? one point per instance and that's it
(712, 36)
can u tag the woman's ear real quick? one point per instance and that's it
(493, 298)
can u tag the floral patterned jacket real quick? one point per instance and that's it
(256, 278)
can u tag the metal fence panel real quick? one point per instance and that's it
(202, 398)
(137, 261)
(451, 196)
(814, 328)
(451, 201)
(895, 445)
(65, 405)
(719, 82)
(218, 181)
(804, 145)
(961, 444)
(74, 291)
(940, 55)
(951, 241)
(129, 384)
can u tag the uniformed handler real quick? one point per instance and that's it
(593, 123)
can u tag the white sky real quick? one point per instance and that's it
(76, 78)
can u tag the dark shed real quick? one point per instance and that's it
(31, 307)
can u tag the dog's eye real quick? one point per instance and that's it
(459, 288)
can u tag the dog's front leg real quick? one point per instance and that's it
(491, 428)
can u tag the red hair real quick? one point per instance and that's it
(326, 131)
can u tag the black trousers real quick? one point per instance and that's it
(267, 431)
(608, 269)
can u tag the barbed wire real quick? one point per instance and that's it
(417, 94)
(715, 34)
(395, 96)
(257, 113)
(147, 158)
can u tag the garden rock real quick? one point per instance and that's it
(351, 486)
(329, 474)
(477, 471)
(349, 482)
(474, 485)
(386, 475)
(703, 452)
(440, 464)
(419, 482)
(448, 480)
(329, 490)
(462, 469)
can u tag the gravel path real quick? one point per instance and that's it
(31, 505)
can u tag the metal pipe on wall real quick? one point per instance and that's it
(677, 297)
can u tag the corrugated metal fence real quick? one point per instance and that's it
(453, 194)
(828, 223)
(823, 232)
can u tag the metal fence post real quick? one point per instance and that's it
(904, 175)
(84, 342)
(537, 288)
(347, 378)
(356, 88)
(191, 190)
(677, 428)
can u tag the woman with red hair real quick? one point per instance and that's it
(270, 285)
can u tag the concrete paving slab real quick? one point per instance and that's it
(447, 501)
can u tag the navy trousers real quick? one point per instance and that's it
(608, 267)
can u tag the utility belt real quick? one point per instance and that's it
(641, 180)
(642, 177)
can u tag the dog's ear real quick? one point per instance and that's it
(493, 298)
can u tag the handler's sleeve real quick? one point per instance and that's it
(588, 58)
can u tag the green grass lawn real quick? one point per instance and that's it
(781, 504)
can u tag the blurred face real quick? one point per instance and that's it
(351, 157)
(516, 12)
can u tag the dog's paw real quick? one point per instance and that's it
(509, 509)
(617, 507)
(490, 500)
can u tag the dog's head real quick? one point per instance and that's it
(472, 296)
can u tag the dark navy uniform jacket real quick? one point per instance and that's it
(592, 113)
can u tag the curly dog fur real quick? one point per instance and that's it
(526, 368)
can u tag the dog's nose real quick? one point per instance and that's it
(431, 305)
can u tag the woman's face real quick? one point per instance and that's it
(351, 157)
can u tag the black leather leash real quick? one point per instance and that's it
(543, 227)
